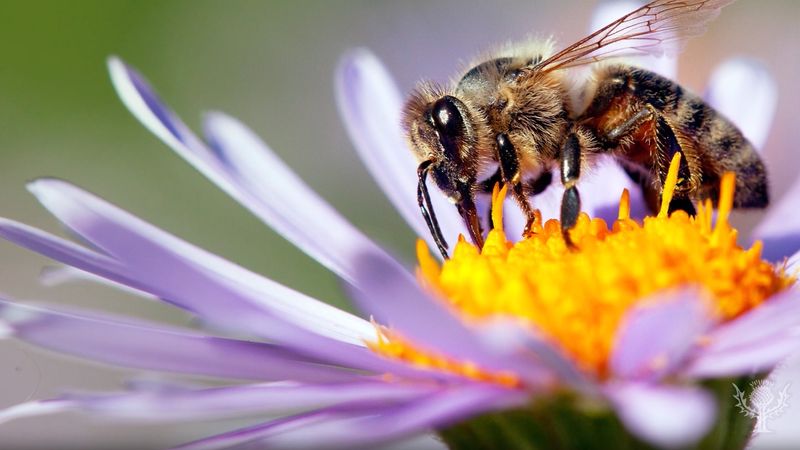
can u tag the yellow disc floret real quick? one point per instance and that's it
(578, 297)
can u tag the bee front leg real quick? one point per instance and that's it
(532, 187)
(570, 173)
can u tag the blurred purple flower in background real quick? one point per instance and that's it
(308, 362)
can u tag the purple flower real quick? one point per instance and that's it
(310, 363)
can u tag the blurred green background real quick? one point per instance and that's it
(269, 63)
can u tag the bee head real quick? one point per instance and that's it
(442, 132)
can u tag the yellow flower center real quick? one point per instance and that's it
(578, 297)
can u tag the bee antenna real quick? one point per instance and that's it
(426, 207)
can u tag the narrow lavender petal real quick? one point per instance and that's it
(32, 409)
(65, 251)
(367, 428)
(243, 320)
(143, 102)
(752, 112)
(370, 105)
(240, 438)
(221, 290)
(396, 300)
(758, 357)
(56, 276)
(667, 416)
(143, 345)
(655, 338)
(330, 244)
(779, 314)
(507, 337)
(780, 228)
(607, 12)
(601, 189)
(793, 263)
(514, 220)
(288, 205)
(416, 417)
(549, 201)
(184, 404)
(754, 342)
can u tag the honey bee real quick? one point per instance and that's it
(518, 115)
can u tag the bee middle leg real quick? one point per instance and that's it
(570, 173)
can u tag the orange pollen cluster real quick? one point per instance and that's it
(579, 297)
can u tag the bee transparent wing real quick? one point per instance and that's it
(659, 27)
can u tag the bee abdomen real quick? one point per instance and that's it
(728, 150)
(715, 141)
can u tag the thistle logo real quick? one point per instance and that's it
(762, 404)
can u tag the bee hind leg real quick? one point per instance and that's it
(667, 146)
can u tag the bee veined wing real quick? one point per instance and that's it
(659, 27)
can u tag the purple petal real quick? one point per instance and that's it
(751, 359)
(602, 188)
(143, 345)
(143, 102)
(183, 404)
(227, 309)
(780, 228)
(607, 12)
(238, 439)
(176, 266)
(667, 416)
(793, 263)
(56, 276)
(32, 409)
(549, 201)
(779, 314)
(507, 337)
(745, 92)
(286, 203)
(754, 342)
(432, 412)
(369, 428)
(395, 299)
(370, 106)
(655, 338)
(330, 244)
(514, 219)
(65, 252)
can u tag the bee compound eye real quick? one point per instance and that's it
(447, 117)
